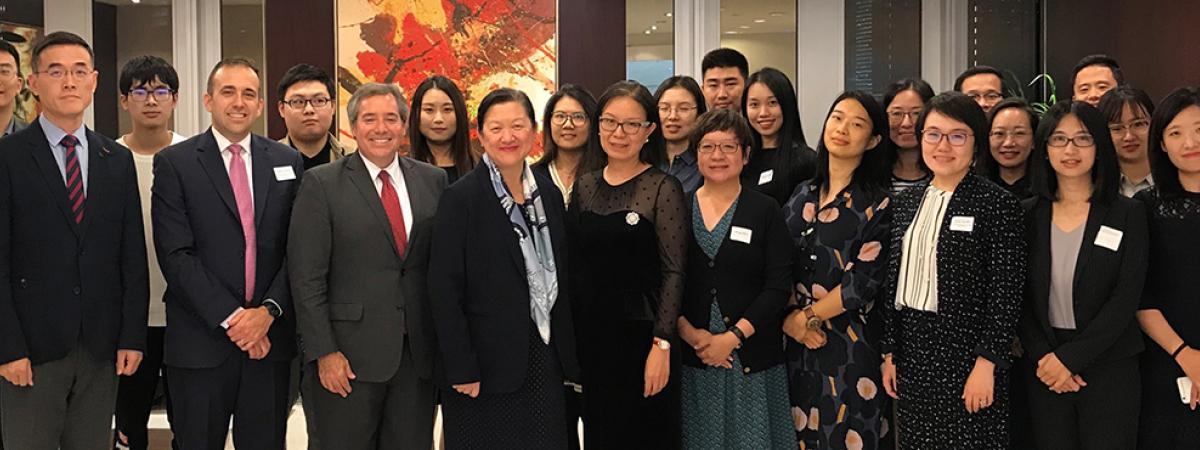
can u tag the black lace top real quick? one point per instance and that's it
(629, 245)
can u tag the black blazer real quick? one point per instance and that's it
(479, 292)
(750, 281)
(353, 292)
(66, 283)
(1107, 289)
(198, 237)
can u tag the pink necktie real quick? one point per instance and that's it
(245, 206)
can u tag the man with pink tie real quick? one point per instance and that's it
(221, 204)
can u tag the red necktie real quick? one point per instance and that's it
(391, 205)
(75, 194)
(245, 205)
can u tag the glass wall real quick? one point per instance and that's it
(649, 41)
(763, 30)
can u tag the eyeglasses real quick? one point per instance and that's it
(1016, 135)
(298, 104)
(989, 96)
(725, 147)
(1138, 126)
(161, 94)
(955, 138)
(683, 110)
(899, 116)
(77, 73)
(1061, 140)
(561, 118)
(610, 124)
(7, 73)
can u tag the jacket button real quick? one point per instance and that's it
(76, 290)
(710, 264)
(241, 292)
(745, 370)
(713, 291)
(726, 319)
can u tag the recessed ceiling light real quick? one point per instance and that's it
(654, 27)
(731, 32)
(776, 14)
(760, 20)
(744, 27)
(647, 32)
(136, 1)
(668, 14)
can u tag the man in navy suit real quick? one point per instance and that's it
(73, 277)
(220, 207)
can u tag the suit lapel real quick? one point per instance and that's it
(40, 149)
(260, 164)
(419, 203)
(97, 191)
(1095, 218)
(1043, 219)
(356, 170)
(499, 220)
(210, 158)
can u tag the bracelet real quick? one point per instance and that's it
(1179, 350)
(738, 332)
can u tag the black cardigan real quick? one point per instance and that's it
(748, 280)
(1107, 288)
(479, 294)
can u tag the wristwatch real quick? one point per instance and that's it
(662, 344)
(811, 320)
(272, 308)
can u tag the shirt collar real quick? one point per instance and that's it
(55, 135)
(392, 169)
(1148, 181)
(223, 142)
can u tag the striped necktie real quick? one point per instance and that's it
(75, 194)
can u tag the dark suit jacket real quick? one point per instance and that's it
(198, 237)
(479, 292)
(1107, 288)
(751, 281)
(65, 283)
(352, 292)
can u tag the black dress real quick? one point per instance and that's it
(1166, 422)
(627, 257)
(777, 171)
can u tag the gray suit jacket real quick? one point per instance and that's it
(352, 292)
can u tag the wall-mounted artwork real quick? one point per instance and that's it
(22, 37)
(480, 44)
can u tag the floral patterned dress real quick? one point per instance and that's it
(837, 397)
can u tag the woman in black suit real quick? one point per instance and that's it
(498, 281)
(734, 383)
(955, 280)
(1087, 265)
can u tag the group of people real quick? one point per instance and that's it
(678, 269)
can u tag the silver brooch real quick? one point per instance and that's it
(632, 218)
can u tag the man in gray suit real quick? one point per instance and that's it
(358, 249)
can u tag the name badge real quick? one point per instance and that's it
(766, 177)
(962, 223)
(284, 173)
(1109, 238)
(740, 234)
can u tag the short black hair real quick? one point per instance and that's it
(60, 38)
(873, 176)
(1105, 170)
(7, 47)
(590, 161)
(987, 166)
(144, 69)
(921, 87)
(1166, 174)
(304, 72)
(722, 119)
(460, 142)
(1113, 102)
(501, 96)
(978, 70)
(1099, 60)
(654, 150)
(687, 83)
(791, 133)
(725, 57)
(958, 106)
(232, 62)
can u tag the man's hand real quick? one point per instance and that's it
(19, 372)
(260, 349)
(249, 326)
(335, 373)
(128, 361)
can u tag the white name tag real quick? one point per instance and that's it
(284, 173)
(1109, 238)
(962, 223)
(766, 177)
(740, 234)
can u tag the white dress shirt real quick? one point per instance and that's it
(223, 143)
(397, 175)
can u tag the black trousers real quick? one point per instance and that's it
(254, 393)
(1102, 415)
(135, 393)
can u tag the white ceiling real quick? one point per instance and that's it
(737, 17)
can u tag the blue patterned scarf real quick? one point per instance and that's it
(536, 248)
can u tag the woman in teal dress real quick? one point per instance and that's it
(734, 382)
(840, 223)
